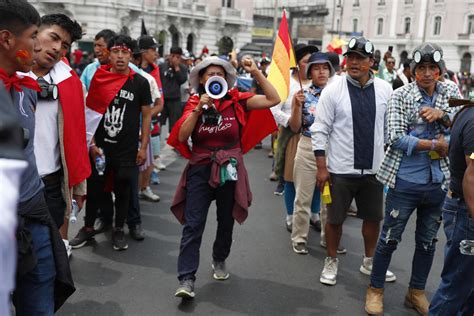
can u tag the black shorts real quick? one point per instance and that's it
(367, 192)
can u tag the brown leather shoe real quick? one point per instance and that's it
(374, 301)
(417, 300)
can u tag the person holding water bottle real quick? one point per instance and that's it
(350, 125)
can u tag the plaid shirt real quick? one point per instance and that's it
(403, 107)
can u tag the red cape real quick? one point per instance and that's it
(104, 87)
(256, 124)
(76, 154)
(155, 73)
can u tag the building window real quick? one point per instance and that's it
(356, 3)
(338, 25)
(379, 26)
(407, 25)
(470, 24)
(227, 3)
(408, 1)
(355, 23)
(439, 1)
(437, 26)
(381, 2)
(339, 3)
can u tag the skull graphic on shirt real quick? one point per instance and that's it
(113, 121)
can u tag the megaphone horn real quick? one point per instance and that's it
(216, 87)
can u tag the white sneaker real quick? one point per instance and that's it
(329, 274)
(366, 268)
(148, 194)
(68, 247)
(158, 164)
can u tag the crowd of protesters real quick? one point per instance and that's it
(354, 136)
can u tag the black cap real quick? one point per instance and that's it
(176, 50)
(334, 59)
(146, 41)
(361, 46)
(302, 50)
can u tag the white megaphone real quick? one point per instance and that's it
(216, 87)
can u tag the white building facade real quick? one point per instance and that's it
(404, 24)
(190, 24)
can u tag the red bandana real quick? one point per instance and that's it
(17, 82)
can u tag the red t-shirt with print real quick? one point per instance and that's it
(206, 137)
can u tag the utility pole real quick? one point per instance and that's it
(426, 21)
(275, 19)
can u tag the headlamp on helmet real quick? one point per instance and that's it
(357, 44)
(434, 56)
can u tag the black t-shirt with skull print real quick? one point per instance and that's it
(118, 131)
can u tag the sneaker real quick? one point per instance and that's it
(289, 223)
(118, 239)
(352, 211)
(185, 289)
(68, 247)
(270, 154)
(273, 176)
(340, 250)
(366, 268)
(329, 274)
(220, 272)
(136, 232)
(82, 238)
(158, 164)
(147, 194)
(316, 225)
(300, 248)
(280, 189)
(154, 178)
(101, 226)
(259, 146)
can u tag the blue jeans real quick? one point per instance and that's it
(34, 294)
(455, 295)
(290, 195)
(398, 208)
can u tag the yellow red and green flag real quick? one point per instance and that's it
(283, 59)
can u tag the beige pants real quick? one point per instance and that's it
(304, 176)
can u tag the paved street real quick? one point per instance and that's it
(267, 277)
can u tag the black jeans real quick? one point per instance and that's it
(134, 218)
(55, 201)
(98, 200)
(198, 199)
(124, 180)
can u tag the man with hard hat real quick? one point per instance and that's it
(414, 168)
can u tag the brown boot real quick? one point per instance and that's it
(417, 300)
(374, 301)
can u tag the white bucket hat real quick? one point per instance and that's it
(230, 77)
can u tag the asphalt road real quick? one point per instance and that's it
(267, 277)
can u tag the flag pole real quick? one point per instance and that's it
(294, 56)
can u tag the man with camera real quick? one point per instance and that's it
(173, 74)
(60, 143)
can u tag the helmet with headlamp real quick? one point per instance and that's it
(427, 52)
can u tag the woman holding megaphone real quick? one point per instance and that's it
(222, 124)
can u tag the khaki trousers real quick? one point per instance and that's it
(304, 175)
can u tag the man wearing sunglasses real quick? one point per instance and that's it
(350, 122)
(389, 73)
(414, 168)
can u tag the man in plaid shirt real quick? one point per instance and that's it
(414, 168)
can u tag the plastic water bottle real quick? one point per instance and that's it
(100, 163)
(467, 247)
(74, 212)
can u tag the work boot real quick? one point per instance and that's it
(417, 300)
(374, 301)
